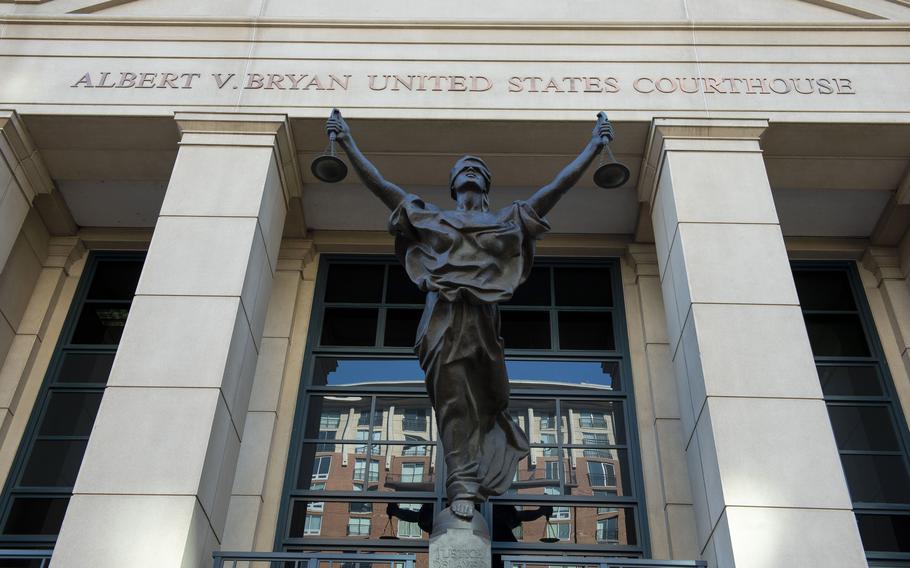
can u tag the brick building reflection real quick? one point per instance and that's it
(395, 453)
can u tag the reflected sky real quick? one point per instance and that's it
(337, 372)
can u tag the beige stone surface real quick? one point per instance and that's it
(216, 264)
(663, 383)
(207, 340)
(681, 520)
(243, 513)
(673, 469)
(17, 281)
(751, 457)
(269, 373)
(254, 452)
(749, 350)
(13, 210)
(759, 537)
(179, 447)
(731, 263)
(18, 363)
(140, 531)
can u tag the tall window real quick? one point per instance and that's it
(567, 359)
(866, 417)
(41, 480)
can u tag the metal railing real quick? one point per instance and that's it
(310, 560)
(595, 562)
(25, 558)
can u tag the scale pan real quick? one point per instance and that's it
(611, 175)
(329, 169)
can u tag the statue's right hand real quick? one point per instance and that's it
(336, 124)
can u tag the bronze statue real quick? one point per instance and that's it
(468, 260)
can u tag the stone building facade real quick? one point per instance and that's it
(711, 361)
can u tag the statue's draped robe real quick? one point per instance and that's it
(467, 262)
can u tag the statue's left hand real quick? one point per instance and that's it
(603, 130)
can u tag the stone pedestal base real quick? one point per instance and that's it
(458, 543)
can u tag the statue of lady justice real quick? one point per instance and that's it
(468, 260)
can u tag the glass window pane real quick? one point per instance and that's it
(405, 418)
(600, 472)
(356, 283)
(884, 533)
(70, 414)
(407, 468)
(100, 324)
(401, 327)
(335, 371)
(560, 374)
(339, 415)
(586, 330)
(569, 524)
(36, 515)
(85, 368)
(850, 380)
(400, 289)
(540, 472)
(525, 330)
(877, 479)
(535, 291)
(823, 290)
(53, 463)
(583, 286)
(836, 335)
(115, 280)
(349, 326)
(863, 427)
(537, 418)
(605, 418)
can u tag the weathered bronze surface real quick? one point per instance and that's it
(468, 260)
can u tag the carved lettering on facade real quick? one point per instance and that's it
(472, 83)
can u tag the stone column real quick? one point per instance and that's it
(669, 499)
(23, 246)
(155, 482)
(22, 178)
(766, 480)
(264, 450)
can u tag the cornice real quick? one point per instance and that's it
(682, 25)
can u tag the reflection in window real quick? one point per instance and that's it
(560, 307)
(411, 472)
(416, 449)
(321, 467)
(316, 506)
(608, 530)
(329, 420)
(364, 435)
(323, 435)
(558, 530)
(313, 525)
(588, 419)
(360, 467)
(359, 526)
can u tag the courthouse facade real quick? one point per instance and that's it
(203, 347)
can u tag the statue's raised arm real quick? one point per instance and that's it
(547, 196)
(388, 192)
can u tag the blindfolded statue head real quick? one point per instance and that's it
(470, 177)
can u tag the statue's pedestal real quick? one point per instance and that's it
(458, 543)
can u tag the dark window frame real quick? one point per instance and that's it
(889, 397)
(49, 386)
(619, 354)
